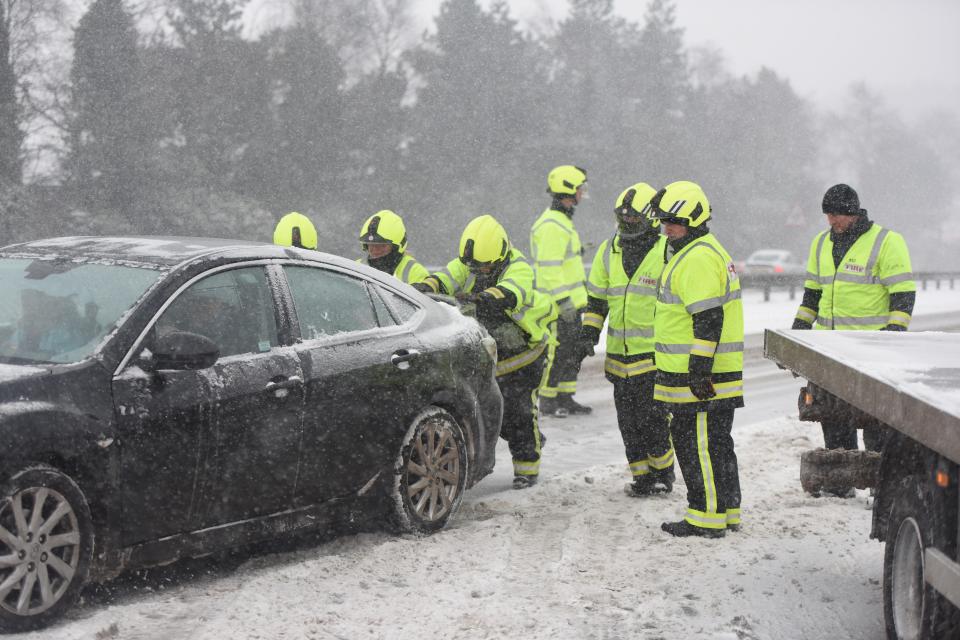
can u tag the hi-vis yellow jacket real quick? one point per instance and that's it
(533, 312)
(856, 296)
(408, 269)
(699, 277)
(558, 259)
(630, 306)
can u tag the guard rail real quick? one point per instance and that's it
(793, 283)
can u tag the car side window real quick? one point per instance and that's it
(401, 306)
(328, 302)
(233, 308)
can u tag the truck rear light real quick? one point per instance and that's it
(942, 479)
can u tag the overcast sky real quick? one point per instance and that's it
(907, 50)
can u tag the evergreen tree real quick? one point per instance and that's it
(109, 145)
(11, 136)
(299, 151)
(595, 109)
(478, 124)
(753, 167)
(220, 89)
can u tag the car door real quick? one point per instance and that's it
(216, 445)
(363, 375)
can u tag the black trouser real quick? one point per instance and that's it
(704, 446)
(520, 426)
(565, 364)
(840, 424)
(644, 425)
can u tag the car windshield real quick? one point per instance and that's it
(58, 311)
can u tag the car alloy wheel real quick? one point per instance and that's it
(45, 547)
(430, 473)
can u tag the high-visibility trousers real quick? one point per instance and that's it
(644, 426)
(521, 426)
(564, 365)
(704, 446)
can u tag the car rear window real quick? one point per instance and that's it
(401, 306)
(329, 302)
(768, 257)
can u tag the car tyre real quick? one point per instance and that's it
(430, 473)
(46, 543)
(913, 610)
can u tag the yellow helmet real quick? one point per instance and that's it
(565, 180)
(384, 227)
(681, 202)
(635, 201)
(295, 230)
(483, 242)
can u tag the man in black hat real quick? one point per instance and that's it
(858, 278)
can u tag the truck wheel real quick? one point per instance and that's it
(430, 474)
(46, 541)
(913, 610)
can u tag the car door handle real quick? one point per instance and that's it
(279, 387)
(401, 359)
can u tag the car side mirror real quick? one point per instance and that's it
(181, 351)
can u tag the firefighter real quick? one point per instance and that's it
(558, 262)
(698, 335)
(295, 230)
(622, 290)
(495, 277)
(858, 278)
(384, 239)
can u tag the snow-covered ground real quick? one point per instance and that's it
(572, 557)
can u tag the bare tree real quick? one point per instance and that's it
(369, 35)
(39, 38)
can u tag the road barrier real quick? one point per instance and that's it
(793, 283)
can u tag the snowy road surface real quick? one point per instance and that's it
(572, 557)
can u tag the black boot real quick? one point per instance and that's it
(553, 408)
(663, 480)
(640, 487)
(523, 482)
(573, 407)
(684, 529)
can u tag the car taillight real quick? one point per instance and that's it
(491, 346)
(778, 268)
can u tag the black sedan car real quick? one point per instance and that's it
(169, 397)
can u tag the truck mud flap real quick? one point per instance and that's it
(831, 469)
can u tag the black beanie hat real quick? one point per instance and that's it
(842, 199)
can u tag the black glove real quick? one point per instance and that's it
(701, 386)
(800, 324)
(893, 327)
(423, 287)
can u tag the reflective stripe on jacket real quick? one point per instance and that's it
(630, 301)
(410, 271)
(558, 259)
(856, 296)
(699, 277)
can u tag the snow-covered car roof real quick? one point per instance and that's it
(158, 250)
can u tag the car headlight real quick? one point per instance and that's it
(491, 346)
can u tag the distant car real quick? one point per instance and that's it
(169, 397)
(776, 263)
